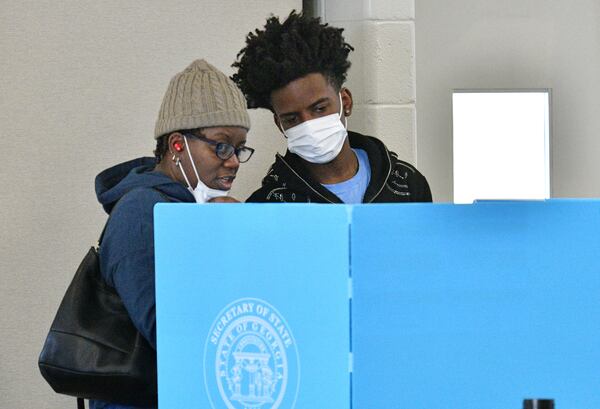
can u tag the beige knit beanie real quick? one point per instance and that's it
(201, 96)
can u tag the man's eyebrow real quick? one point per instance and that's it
(317, 102)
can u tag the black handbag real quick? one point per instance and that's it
(93, 350)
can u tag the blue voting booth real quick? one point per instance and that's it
(378, 306)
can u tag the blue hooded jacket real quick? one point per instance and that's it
(127, 249)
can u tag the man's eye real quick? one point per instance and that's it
(320, 108)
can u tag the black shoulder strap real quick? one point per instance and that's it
(80, 403)
(164, 196)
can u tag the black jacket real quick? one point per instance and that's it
(392, 180)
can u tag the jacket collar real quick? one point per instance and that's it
(379, 160)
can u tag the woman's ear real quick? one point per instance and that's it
(176, 143)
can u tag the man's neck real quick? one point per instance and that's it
(342, 168)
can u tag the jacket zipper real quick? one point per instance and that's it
(386, 178)
(302, 179)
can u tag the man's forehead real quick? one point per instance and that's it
(302, 93)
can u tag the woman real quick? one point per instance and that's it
(201, 136)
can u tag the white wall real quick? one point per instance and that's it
(512, 44)
(81, 84)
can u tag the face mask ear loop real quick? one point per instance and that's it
(193, 164)
(341, 114)
(180, 166)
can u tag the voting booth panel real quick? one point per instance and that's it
(449, 306)
(476, 306)
(252, 306)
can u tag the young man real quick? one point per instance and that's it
(296, 68)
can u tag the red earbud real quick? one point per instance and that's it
(177, 146)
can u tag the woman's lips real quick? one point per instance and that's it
(225, 182)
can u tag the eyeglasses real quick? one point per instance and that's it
(225, 151)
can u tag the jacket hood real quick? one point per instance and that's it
(112, 183)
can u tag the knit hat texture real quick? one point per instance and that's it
(201, 96)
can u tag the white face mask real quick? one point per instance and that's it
(318, 140)
(201, 192)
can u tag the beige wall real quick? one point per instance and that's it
(81, 83)
(512, 44)
(382, 75)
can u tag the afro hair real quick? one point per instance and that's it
(284, 52)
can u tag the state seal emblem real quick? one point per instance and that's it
(250, 358)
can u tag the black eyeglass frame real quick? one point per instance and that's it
(221, 148)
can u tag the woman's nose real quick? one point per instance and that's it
(232, 162)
